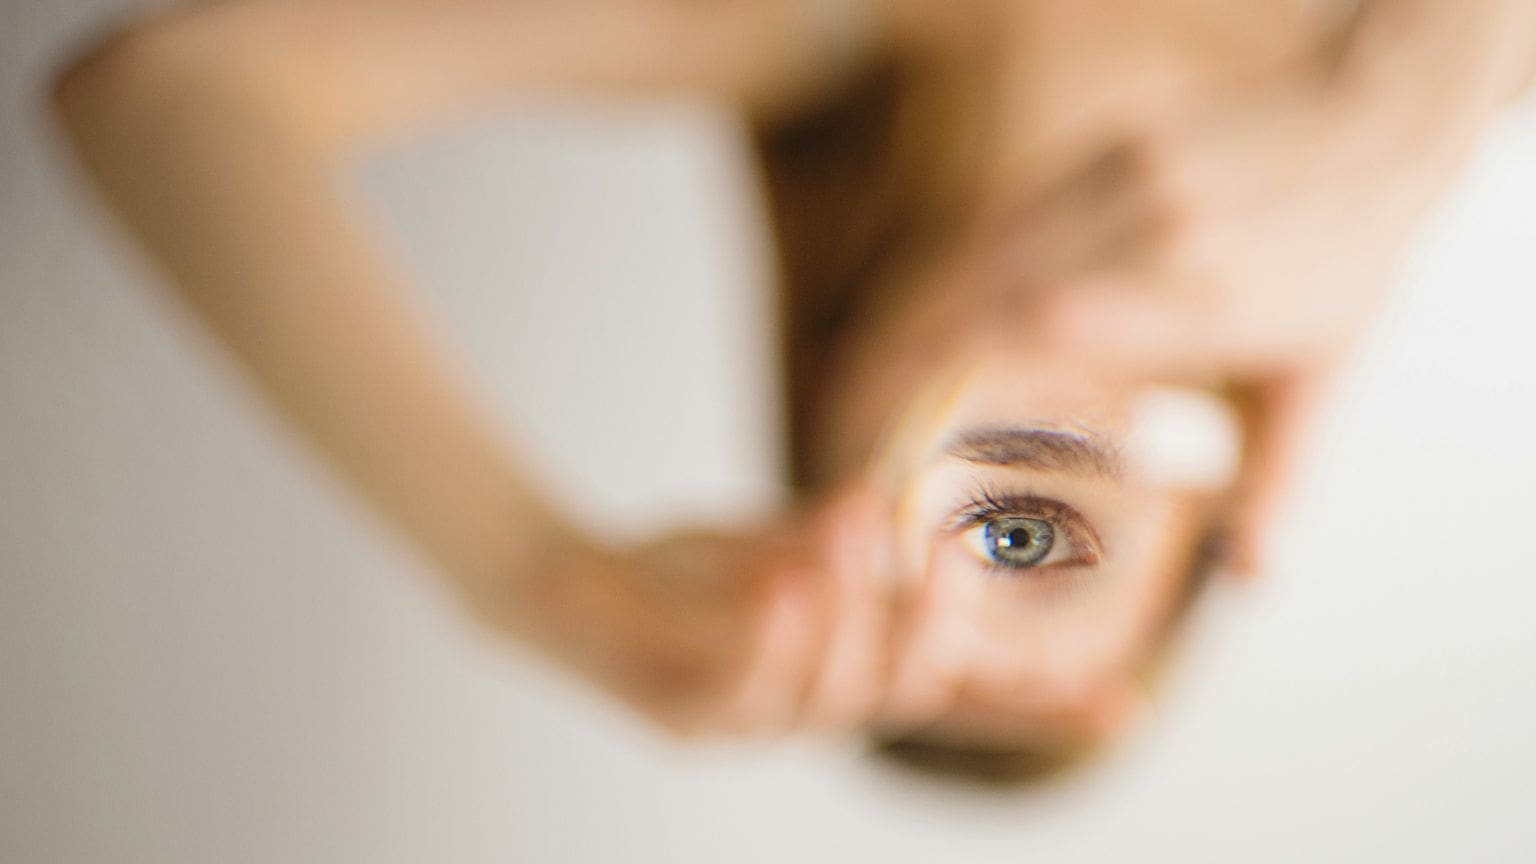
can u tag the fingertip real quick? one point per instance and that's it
(763, 698)
(1112, 710)
(1125, 326)
(857, 526)
(1233, 558)
(844, 684)
(1250, 560)
(933, 650)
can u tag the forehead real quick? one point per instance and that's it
(1023, 387)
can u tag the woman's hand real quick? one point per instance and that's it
(794, 628)
(1248, 245)
(1241, 242)
(217, 132)
(1256, 234)
(806, 625)
(785, 628)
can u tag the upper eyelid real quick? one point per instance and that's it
(981, 510)
(990, 502)
(988, 499)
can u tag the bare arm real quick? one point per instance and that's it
(216, 134)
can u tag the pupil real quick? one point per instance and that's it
(1019, 542)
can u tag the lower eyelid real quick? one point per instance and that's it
(1082, 553)
(1077, 530)
(988, 500)
(1054, 580)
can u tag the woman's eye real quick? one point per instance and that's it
(1015, 542)
(996, 531)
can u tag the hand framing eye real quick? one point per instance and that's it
(748, 634)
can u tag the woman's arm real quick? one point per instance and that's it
(1271, 230)
(215, 131)
(347, 70)
(217, 134)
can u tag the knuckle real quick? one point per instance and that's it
(1174, 218)
(1147, 161)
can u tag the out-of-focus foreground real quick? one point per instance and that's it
(207, 654)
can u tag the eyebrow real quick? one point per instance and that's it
(1041, 449)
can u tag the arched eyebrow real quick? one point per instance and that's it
(1041, 449)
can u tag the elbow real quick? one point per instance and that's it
(162, 73)
(114, 76)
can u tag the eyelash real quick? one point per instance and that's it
(989, 502)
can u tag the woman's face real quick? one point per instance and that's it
(1068, 505)
(1044, 498)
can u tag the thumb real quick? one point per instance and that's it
(1166, 327)
(1277, 416)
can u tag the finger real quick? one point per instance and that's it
(846, 683)
(1091, 219)
(1180, 323)
(1277, 416)
(932, 644)
(1135, 321)
(1095, 713)
(764, 695)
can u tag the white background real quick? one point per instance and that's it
(207, 654)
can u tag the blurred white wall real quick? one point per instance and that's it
(206, 654)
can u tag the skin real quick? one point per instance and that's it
(697, 633)
(808, 621)
(1239, 238)
(1052, 654)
